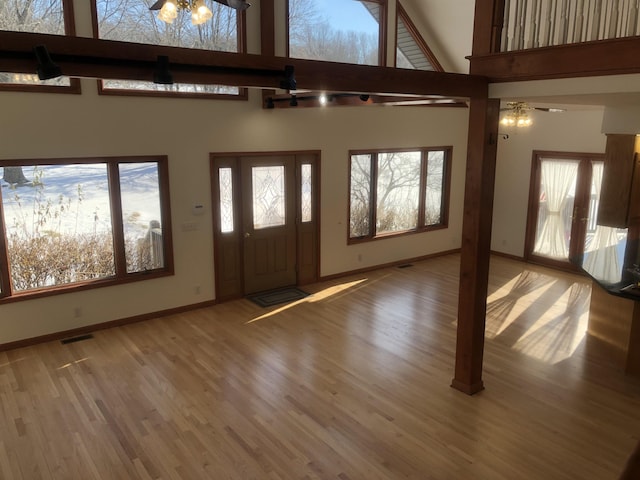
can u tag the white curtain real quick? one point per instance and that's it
(601, 258)
(558, 177)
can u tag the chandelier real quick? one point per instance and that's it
(200, 13)
(517, 115)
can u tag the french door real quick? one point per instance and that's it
(265, 212)
(563, 202)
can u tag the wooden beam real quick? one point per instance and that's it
(267, 37)
(602, 57)
(95, 58)
(476, 243)
(487, 28)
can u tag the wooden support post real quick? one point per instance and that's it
(267, 38)
(476, 243)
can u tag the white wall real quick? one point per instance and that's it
(570, 131)
(36, 125)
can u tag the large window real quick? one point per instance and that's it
(37, 16)
(348, 31)
(79, 222)
(132, 21)
(400, 191)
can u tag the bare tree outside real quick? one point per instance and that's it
(312, 36)
(132, 21)
(400, 190)
(37, 16)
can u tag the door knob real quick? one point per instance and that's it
(247, 235)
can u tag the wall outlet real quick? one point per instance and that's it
(77, 312)
(196, 289)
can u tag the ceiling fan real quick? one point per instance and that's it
(237, 4)
(517, 114)
(200, 13)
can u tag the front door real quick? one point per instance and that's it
(562, 207)
(269, 222)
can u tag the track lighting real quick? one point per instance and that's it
(162, 75)
(46, 68)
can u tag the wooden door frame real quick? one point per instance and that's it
(532, 207)
(228, 255)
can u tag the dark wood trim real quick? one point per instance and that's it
(74, 86)
(216, 162)
(602, 57)
(90, 57)
(417, 37)
(582, 193)
(233, 161)
(476, 243)
(5, 278)
(383, 41)
(268, 36)
(101, 326)
(507, 255)
(117, 228)
(632, 363)
(487, 27)
(121, 276)
(387, 265)
(421, 227)
(243, 94)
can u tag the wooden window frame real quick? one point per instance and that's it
(74, 85)
(121, 275)
(243, 93)
(421, 227)
(382, 35)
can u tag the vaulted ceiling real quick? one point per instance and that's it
(447, 27)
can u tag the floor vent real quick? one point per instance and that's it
(405, 265)
(79, 338)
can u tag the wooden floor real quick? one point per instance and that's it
(350, 383)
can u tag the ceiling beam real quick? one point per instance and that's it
(95, 58)
(603, 57)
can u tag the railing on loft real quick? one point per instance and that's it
(541, 23)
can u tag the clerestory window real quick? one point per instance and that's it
(132, 21)
(398, 191)
(348, 31)
(37, 16)
(77, 223)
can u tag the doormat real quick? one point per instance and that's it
(276, 297)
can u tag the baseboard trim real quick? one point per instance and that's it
(507, 255)
(27, 342)
(386, 265)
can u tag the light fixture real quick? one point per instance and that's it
(46, 68)
(200, 13)
(517, 115)
(322, 99)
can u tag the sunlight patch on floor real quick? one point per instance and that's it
(559, 331)
(507, 304)
(315, 297)
(11, 362)
(75, 362)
